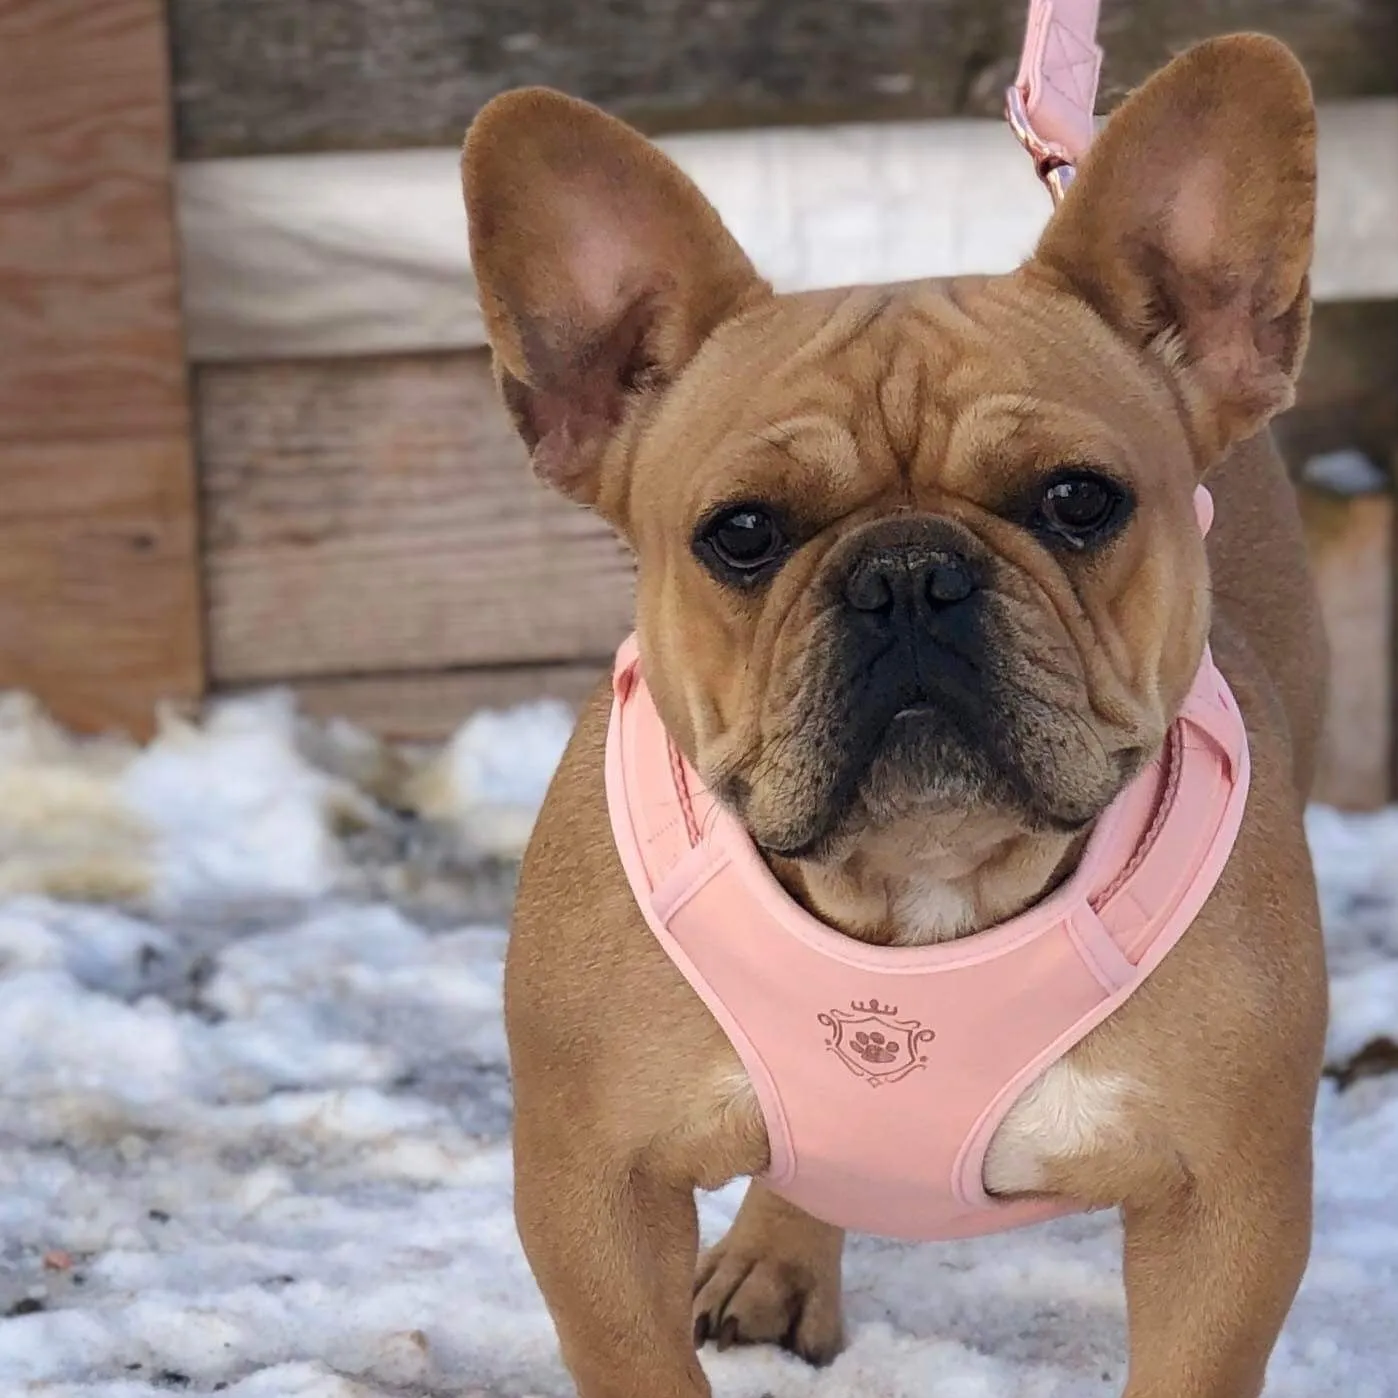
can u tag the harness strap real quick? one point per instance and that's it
(665, 815)
(1209, 737)
(670, 814)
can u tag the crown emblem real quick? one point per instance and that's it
(873, 1043)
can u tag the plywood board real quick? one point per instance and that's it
(1350, 541)
(1346, 399)
(380, 515)
(97, 558)
(89, 298)
(431, 707)
(99, 604)
(305, 256)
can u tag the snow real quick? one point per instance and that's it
(490, 784)
(255, 1098)
(233, 803)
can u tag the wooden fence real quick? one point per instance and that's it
(361, 523)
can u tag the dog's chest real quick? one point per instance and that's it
(1066, 1112)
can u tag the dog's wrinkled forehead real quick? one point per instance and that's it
(916, 396)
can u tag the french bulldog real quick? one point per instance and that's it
(1038, 437)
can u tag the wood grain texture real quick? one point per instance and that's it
(99, 595)
(1347, 396)
(1350, 541)
(98, 606)
(261, 76)
(309, 256)
(89, 298)
(381, 515)
(1392, 637)
(431, 707)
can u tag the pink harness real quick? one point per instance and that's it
(882, 1073)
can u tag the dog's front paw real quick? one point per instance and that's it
(742, 1297)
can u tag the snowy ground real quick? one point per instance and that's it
(253, 1099)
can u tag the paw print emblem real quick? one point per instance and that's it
(873, 1043)
(873, 1047)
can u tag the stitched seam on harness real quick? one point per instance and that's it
(677, 772)
(1174, 760)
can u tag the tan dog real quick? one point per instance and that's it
(656, 378)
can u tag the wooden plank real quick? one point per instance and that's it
(281, 75)
(430, 707)
(381, 515)
(1391, 640)
(304, 256)
(97, 558)
(99, 598)
(1351, 549)
(311, 256)
(1346, 397)
(89, 298)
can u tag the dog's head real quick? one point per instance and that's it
(922, 547)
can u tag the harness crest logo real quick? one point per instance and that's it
(873, 1043)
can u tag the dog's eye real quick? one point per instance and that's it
(1081, 508)
(745, 540)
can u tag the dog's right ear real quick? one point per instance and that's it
(1190, 228)
(601, 269)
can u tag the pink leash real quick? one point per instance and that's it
(1049, 107)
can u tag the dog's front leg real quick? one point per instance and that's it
(613, 1251)
(1210, 1275)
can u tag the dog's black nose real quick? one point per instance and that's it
(867, 588)
(949, 581)
(883, 580)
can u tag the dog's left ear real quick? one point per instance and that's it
(1190, 227)
(601, 270)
